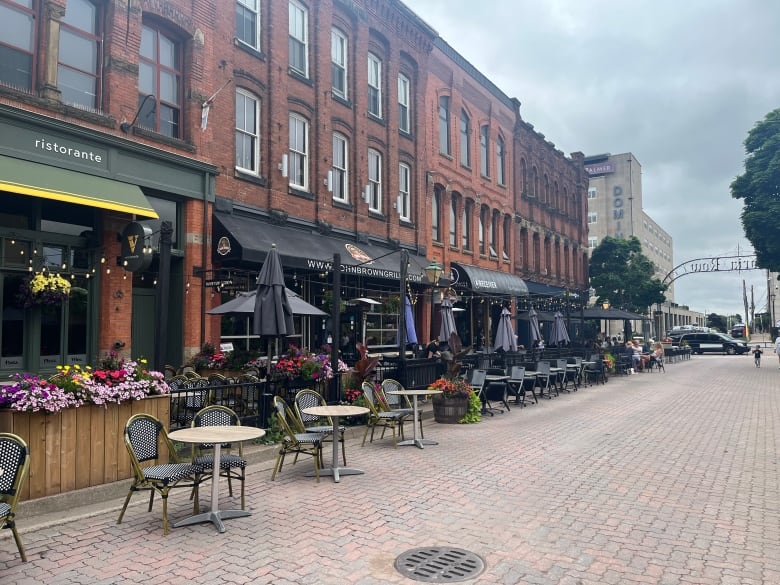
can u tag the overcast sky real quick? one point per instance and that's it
(678, 84)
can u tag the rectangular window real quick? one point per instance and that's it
(340, 169)
(404, 192)
(453, 221)
(159, 82)
(374, 86)
(404, 114)
(444, 125)
(338, 60)
(299, 35)
(593, 242)
(17, 44)
(248, 22)
(374, 181)
(500, 162)
(465, 137)
(592, 193)
(247, 132)
(299, 152)
(435, 216)
(79, 55)
(465, 226)
(484, 149)
(593, 217)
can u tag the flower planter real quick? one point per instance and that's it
(449, 410)
(78, 447)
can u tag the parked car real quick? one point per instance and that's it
(712, 342)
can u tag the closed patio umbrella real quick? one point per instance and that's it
(533, 318)
(273, 315)
(505, 335)
(447, 321)
(558, 333)
(411, 332)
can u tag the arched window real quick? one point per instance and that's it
(247, 131)
(454, 220)
(523, 177)
(506, 237)
(483, 227)
(340, 171)
(484, 149)
(465, 224)
(299, 152)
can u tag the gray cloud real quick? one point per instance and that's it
(678, 84)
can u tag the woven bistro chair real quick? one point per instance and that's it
(379, 416)
(295, 439)
(313, 424)
(143, 436)
(398, 403)
(231, 466)
(14, 468)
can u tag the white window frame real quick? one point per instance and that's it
(298, 165)
(251, 134)
(593, 242)
(253, 7)
(592, 193)
(339, 55)
(374, 180)
(340, 177)
(593, 217)
(375, 84)
(404, 191)
(298, 30)
(404, 104)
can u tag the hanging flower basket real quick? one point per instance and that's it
(43, 289)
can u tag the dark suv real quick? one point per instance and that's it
(712, 342)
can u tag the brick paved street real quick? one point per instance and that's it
(653, 478)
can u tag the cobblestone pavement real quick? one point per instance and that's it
(660, 478)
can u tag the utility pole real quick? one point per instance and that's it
(747, 315)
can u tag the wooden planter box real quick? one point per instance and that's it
(78, 447)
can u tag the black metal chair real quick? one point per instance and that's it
(231, 466)
(14, 468)
(545, 380)
(143, 436)
(496, 392)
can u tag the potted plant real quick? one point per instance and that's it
(456, 402)
(43, 289)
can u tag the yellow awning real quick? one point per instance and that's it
(39, 180)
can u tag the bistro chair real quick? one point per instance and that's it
(495, 391)
(518, 384)
(379, 416)
(307, 398)
(14, 467)
(595, 370)
(397, 403)
(231, 466)
(143, 436)
(544, 380)
(295, 439)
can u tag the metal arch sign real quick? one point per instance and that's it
(716, 264)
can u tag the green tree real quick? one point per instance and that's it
(759, 188)
(622, 275)
(718, 322)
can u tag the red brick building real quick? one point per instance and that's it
(312, 126)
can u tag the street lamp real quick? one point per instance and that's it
(605, 306)
(433, 273)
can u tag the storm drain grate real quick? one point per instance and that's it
(438, 564)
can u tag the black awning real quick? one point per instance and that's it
(483, 281)
(612, 314)
(246, 239)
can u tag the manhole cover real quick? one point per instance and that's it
(438, 564)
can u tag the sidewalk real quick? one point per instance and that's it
(653, 478)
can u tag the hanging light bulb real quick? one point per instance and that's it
(103, 260)
(108, 271)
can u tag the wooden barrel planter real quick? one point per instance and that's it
(449, 410)
(78, 447)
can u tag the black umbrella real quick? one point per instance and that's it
(273, 314)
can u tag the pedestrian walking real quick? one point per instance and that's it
(757, 356)
(777, 347)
